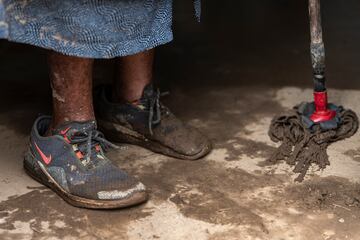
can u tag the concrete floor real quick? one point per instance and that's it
(228, 76)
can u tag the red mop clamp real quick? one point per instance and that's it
(322, 113)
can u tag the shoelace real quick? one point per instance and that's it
(88, 140)
(155, 109)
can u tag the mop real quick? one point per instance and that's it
(308, 129)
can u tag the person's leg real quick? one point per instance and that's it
(71, 83)
(133, 74)
(67, 151)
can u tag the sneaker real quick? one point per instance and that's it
(149, 124)
(72, 163)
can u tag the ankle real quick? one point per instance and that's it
(59, 122)
(126, 97)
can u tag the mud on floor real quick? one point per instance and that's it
(228, 195)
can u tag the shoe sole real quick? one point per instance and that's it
(45, 179)
(118, 133)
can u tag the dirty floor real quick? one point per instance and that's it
(238, 83)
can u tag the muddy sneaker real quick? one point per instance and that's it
(149, 124)
(72, 163)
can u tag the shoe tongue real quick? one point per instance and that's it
(71, 128)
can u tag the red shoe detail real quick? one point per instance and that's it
(66, 139)
(63, 132)
(79, 155)
(97, 148)
(46, 159)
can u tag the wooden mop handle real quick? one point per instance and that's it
(317, 47)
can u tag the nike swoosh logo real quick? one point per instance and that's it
(45, 158)
(63, 132)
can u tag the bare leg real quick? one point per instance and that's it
(71, 82)
(134, 73)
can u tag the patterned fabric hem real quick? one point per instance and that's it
(100, 50)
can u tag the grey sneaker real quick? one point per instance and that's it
(72, 163)
(149, 124)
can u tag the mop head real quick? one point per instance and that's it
(304, 142)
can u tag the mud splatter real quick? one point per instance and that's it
(354, 154)
(203, 192)
(49, 216)
(242, 146)
(327, 193)
(57, 97)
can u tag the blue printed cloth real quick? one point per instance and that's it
(88, 28)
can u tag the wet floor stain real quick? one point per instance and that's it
(42, 214)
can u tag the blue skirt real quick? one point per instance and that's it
(88, 28)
